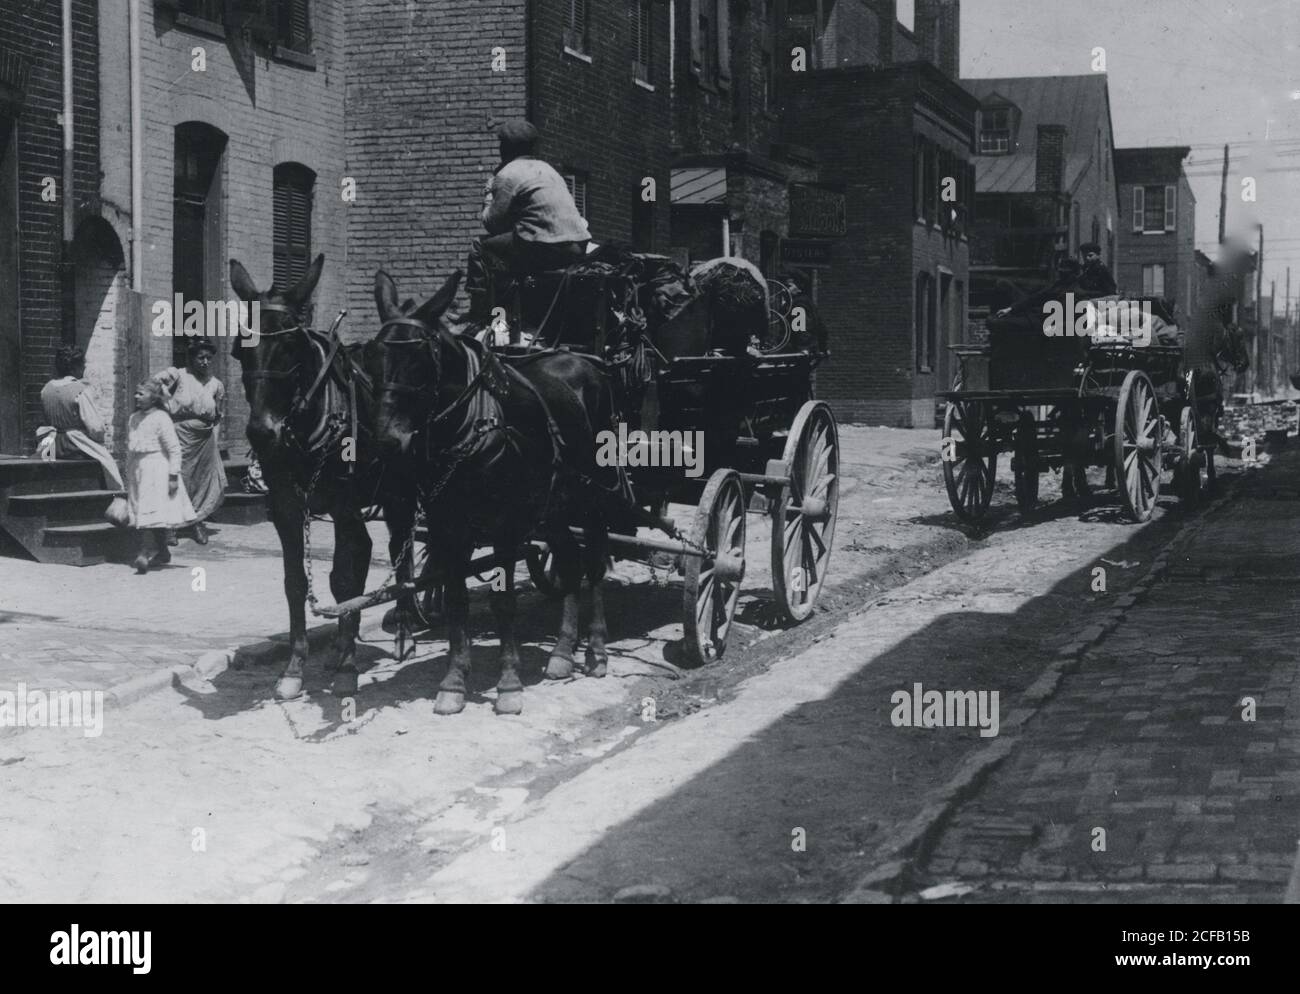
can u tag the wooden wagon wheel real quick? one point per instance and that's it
(970, 458)
(1025, 463)
(804, 511)
(713, 580)
(542, 571)
(1189, 473)
(1137, 445)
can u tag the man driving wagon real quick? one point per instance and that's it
(532, 221)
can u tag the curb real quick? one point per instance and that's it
(899, 854)
(205, 667)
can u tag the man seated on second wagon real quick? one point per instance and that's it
(1095, 280)
(532, 221)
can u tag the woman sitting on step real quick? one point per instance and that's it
(74, 426)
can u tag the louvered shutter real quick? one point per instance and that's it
(575, 34)
(291, 224)
(723, 28)
(1139, 208)
(1171, 207)
(639, 12)
(644, 51)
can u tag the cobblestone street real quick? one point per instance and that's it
(773, 774)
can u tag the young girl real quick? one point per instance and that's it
(156, 496)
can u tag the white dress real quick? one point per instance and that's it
(153, 453)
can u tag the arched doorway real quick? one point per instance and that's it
(100, 283)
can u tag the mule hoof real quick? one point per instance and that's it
(510, 702)
(345, 683)
(288, 687)
(559, 668)
(449, 702)
(597, 667)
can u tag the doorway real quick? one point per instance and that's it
(197, 249)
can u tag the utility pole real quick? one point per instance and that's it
(1223, 196)
(1261, 339)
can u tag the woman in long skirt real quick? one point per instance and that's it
(197, 402)
(155, 494)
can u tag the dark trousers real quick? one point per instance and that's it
(498, 256)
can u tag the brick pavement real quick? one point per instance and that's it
(1146, 740)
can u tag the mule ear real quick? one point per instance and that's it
(302, 290)
(386, 296)
(432, 308)
(242, 282)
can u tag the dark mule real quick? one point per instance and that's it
(300, 386)
(499, 454)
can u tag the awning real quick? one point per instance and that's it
(699, 186)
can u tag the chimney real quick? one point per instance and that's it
(1049, 169)
(938, 34)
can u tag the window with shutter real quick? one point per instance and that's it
(578, 191)
(293, 25)
(575, 27)
(291, 222)
(1153, 280)
(1139, 208)
(1156, 214)
(1171, 208)
(641, 27)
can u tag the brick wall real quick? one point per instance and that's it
(1175, 250)
(271, 111)
(865, 297)
(862, 125)
(37, 37)
(422, 97)
(596, 120)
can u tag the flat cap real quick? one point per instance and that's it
(1087, 247)
(517, 134)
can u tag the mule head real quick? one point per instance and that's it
(272, 358)
(405, 362)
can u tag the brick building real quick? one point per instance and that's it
(1045, 181)
(1157, 226)
(271, 130)
(241, 143)
(43, 207)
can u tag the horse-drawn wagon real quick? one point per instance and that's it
(731, 375)
(497, 447)
(1118, 386)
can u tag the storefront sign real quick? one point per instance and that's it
(808, 253)
(816, 211)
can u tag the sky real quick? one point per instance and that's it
(1180, 72)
